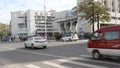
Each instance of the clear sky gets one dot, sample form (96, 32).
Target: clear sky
(7, 6)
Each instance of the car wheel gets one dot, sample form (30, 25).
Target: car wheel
(70, 40)
(25, 45)
(44, 47)
(62, 40)
(32, 46)
(96, 55)
(75, 40)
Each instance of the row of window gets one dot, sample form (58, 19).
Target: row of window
(44, 29)
(42, 14)
(116, 18)
(110, 35)
(38, 23)
(22, 34)
(44, 26)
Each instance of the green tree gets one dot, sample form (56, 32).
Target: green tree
(93, 11)
(4, 30)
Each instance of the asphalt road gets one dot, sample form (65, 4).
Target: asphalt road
(57, 55)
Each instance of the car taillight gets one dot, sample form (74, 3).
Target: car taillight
(36, 41)
(45, 40)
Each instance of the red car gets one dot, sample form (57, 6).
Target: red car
(105, 42)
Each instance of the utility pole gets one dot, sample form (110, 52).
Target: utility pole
(45, 19)
(93, 15)
(115, 12)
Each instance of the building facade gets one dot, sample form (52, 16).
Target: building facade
(114, 6)
(31, 22)
(67, 21)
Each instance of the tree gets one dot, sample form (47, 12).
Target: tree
(4, 30)
(93, 12)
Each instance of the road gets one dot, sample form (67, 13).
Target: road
(57, 55)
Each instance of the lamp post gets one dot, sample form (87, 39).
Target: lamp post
(93, 15)
(115, 11)
(45, 19)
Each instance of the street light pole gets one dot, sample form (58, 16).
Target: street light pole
(45, 19)
(93, 15)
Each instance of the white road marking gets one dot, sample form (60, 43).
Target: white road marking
(32, 66)
(98, 61)
(56, 55)
(82, 64)
(34, 52)
(87, 56)
(55, 65)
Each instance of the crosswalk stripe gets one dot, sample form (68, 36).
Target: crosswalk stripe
(92, 60)
(82, 64)
(55, 65)
(32, 66)
(87, 56)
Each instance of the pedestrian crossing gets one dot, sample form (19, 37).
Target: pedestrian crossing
(70, 63)
(84, 61)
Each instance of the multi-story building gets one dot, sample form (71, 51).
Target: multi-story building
(114, 6)
(68, 22)
(31, 22)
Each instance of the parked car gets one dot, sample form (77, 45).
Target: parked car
(70, 37)
(36, 42)
(5, 38)
(105, 42)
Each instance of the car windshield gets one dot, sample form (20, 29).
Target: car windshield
(39, 38)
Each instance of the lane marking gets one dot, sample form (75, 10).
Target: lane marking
(82, 64)
(92, 60)
(55, 65)
(87, 56)
(58, 56)
(32, 66)
(34, 52)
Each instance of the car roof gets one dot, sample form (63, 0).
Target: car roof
(109, 28)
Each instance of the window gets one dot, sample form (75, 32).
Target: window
(113, 35)
(96, 36)
(30, 39)
(39, 38)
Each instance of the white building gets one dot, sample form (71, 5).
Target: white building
(68, 22)
(31, 22)
(114, 6)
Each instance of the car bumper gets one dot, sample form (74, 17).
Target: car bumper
(40, 44)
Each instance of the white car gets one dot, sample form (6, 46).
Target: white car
(70, 37)
(36, 42)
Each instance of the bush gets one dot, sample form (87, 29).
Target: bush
(2, 34)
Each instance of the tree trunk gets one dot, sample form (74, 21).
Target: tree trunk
(93, 27)
(93, 17)
(98, 23)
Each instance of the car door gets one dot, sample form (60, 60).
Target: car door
(95, 40)
(111, 43)
(66, 37)
(29, 41)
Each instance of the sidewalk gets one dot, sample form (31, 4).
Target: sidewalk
(82, 40)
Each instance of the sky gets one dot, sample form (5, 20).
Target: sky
(8, 6)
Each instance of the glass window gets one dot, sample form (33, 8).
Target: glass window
(39, 38)
(30, 39)
(113, 35)
(96, 36)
